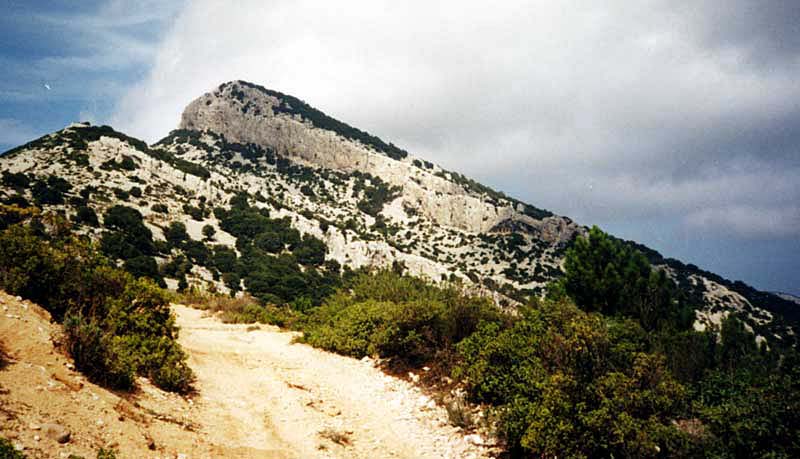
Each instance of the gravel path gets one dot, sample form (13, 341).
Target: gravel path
(260, 393)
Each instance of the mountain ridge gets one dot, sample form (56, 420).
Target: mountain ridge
(370, 202)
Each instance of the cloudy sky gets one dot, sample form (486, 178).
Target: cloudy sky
(675, 123)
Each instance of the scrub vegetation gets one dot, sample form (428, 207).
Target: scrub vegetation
(607, 365)
(116, 326)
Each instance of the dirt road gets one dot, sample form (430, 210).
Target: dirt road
(264, 396)
(258, 396)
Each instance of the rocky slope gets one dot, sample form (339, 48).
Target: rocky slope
(370, 202)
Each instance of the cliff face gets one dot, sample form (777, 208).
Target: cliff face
(246, 113)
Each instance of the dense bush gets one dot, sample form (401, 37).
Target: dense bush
(144, 266)
(272, 254)
(129, 223)
(561, 384)
(376, 195)
(11, 214)
(15, 179)
(121, 194)
(310, 251)
(197, 213)
(116, 245)
(242, 309)
(613, 381)
(125, 164)
(86, 215)
(224, 259)
(603, 274)
(176, 234)
(209, 232)
(116, 326)
(160, 208)
(280, 280)
(197, 252)
(390, 315)
(131, 241)
(50, 190)
(103, 453)
(741, 399)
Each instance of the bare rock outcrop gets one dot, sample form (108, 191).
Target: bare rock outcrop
(246, 113)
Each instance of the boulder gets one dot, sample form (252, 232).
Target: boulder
(56, 432)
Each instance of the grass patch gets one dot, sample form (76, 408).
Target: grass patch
(243, 309)
(459, 413)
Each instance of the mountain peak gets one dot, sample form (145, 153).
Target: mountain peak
(249, 113)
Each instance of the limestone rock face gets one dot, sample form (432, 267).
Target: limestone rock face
(245, 113)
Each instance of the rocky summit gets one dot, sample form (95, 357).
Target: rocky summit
(342, 198)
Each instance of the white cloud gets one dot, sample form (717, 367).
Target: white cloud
(589, 109)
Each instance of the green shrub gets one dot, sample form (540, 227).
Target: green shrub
(96, 356)
(176, 234)
(310, 251)
(243, 309)
(12, 213)
(385, 329)
(751, 415)
(272, 279)
(7, 450)
(390, 315)
(376, 195)
(559, 390)
(121, 194)
(224, 258)
(129, 222)
(116, 245)
(135, 335)
(603, 274)
(103, 453)
(36, 270)
(269, 241)
(116, 326)
(15, 179)
(144, 266)
(197, 252)
(232, 281)
(126, 164)
(50, 191)
(87, 216)
(187, 167)
(160, 208)
(209, 232)
(177, 267)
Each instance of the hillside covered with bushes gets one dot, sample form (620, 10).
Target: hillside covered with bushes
(608, 365)
(116, 326)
